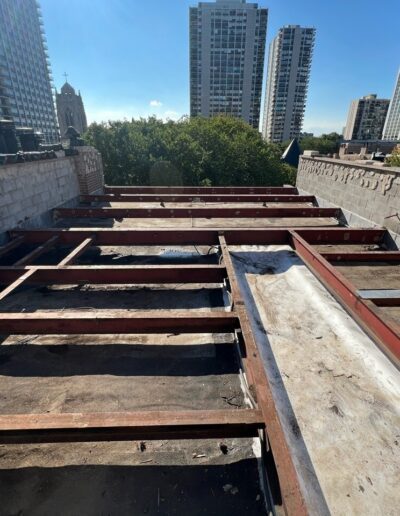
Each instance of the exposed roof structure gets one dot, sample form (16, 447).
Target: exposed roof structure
(123, 266)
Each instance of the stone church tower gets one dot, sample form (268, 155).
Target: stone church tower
(70, 110)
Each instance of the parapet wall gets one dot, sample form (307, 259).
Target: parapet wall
(372, 192)
(29, 191)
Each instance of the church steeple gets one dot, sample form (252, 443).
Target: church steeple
(70, 109)
(67, 89)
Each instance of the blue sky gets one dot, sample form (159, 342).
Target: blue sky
(130, 58)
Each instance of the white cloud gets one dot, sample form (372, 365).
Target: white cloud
(155, 103)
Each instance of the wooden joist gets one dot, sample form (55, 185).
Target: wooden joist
(38, 251)
(14, 243)
(75, 253)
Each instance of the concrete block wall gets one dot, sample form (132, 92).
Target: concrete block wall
(371, 192)
(30, 191)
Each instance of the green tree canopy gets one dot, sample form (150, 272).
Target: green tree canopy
(394, 159)
(221, 151)
(325, 144)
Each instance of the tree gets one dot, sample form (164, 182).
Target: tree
(325, 144)
(221, 151)
(394, 159)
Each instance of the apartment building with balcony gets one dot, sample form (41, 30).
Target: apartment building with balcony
(26, 95)
(366, 118)
(289, 67)
(391, 130)
(227, 50)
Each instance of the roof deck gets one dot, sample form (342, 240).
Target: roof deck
(169, 337)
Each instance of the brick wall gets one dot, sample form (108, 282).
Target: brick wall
(369, 191)
(30, 191)
(89, 167)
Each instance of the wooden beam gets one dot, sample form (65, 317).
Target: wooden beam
(129, 426)
(51, 242)
(75, 253)
(17, 283)
(11, 245)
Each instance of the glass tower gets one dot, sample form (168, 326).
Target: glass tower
(391, 130)
(227, 48)
(289, 67)
(25, 79)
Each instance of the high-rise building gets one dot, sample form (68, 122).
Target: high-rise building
(289, 65)
(70, 110)
(391, 130)
(366, 118)
(25, 89)
(227, 48)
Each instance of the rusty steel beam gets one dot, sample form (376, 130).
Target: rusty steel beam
(30, 257)
(16, 242)
(203, 212)
(292, 496)
(129, 426)
(388, 301)
(202, 236)
(164, 236)
(117, 321)
(132, 198)
(381, 297)
(117, 275)
(394, 301)
(75, 253)
(203, 190)
(384, 331)
(363, 256)
(321, 236)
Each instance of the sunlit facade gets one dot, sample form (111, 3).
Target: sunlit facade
(25, 79)
(227, 48)
(391, 130)
(289, 68)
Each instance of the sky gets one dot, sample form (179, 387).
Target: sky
(130, 58)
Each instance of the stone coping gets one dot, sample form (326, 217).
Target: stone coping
(353, 164)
